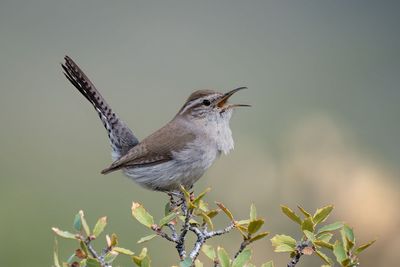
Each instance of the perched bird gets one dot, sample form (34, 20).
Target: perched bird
(178, 153)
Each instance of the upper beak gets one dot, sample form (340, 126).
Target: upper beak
(221, 103)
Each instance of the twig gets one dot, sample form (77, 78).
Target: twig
(100, 258)
(201, 239)
(187, 213)
(220, 232)
(203, 235)
(298, 253)
(243, 245)
(200, 231)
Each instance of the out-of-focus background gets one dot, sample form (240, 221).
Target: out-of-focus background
(324, 127)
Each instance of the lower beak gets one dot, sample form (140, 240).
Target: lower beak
(227, 95)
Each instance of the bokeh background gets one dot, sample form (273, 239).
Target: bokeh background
(324, 127)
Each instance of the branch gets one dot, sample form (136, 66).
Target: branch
(298, 253)
(243, 245)
(100, 258)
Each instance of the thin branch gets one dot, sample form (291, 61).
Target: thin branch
(171, 226)
(163, 234)
(298, 253)
(220, 232)
(95, 255)
(243, 245)
(201, 239)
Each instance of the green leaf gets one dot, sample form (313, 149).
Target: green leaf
(90, 262)
(258, 237)
(346, 262)
(310, 236)
(203, 206)
(77, 222)
(113, 240)
(225, 210)
(110, 256)
(284, 248)
(123, 251)
(186, 263)
(167, 219)
(142, 215)
(326, 237)
(140, 259)
(99, 227)
(84, 247)
(253, 212)
(84, 223)
(209, 252)
(55, 254)
(167, 208)
(325, 258)
(243, 222)
(212, 213)
(71, 258)
(200, 196)
(363, 247)
(322, 214)
(330, 227)
(187, 197)
(339, 251)
(223, 257)
(291, 214)
(207, 220)
(347, 237)
(268, 264)
(306, 213)
(146, 238)
(323, 244)
(283, 243)
(242, 258)
(64, 234)
(146, 262)
(308, 224)
(255, 225)
(198, 263)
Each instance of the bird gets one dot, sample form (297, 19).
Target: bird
(177, 154)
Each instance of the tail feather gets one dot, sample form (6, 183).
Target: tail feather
(121, 137)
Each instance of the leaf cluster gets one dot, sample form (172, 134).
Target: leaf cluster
(317, 237)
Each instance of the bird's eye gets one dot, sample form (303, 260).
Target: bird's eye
(206, 102)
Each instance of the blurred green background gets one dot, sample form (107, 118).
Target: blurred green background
(324, 127)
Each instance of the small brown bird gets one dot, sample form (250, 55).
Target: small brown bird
(177, 154)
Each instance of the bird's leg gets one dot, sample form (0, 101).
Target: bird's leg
(175, 203)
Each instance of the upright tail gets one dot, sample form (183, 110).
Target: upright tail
(121, 137)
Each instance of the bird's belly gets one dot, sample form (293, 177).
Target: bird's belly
(186, 167)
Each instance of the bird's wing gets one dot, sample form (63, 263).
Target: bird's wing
(154, 149)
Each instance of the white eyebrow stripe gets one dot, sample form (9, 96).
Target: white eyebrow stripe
(192, 103)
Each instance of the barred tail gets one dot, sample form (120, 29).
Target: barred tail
(121, 137)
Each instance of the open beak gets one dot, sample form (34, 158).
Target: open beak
(224, 99)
